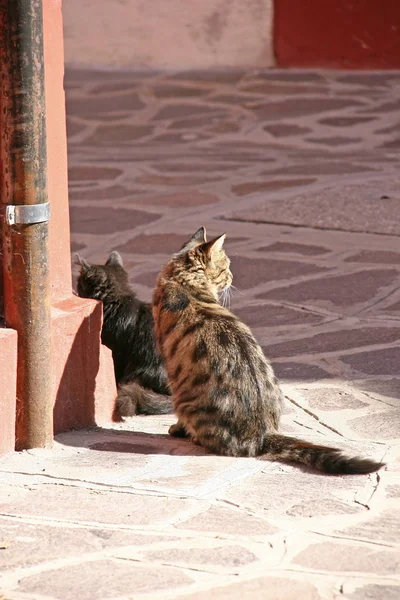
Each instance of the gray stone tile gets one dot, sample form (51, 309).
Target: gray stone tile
(230, 521)
(341, 291)
(108, 220)
(376, 592)
(291, 371)
(269, 588)
(329, 556)
(377, 362)
(335, 341)
(250, 272)
(103, 579)
(385, 528)
(345, 207)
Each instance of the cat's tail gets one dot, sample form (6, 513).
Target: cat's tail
(322, 458)
(133, 399)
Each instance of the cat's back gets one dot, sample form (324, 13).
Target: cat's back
(194, 326)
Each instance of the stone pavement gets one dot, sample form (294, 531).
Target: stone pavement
(301, 169)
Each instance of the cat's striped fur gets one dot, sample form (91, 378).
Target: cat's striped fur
(225, 393)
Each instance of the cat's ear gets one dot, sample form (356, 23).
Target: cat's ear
(199, 237)
(115, 259)
(79, 260)
(212, 248)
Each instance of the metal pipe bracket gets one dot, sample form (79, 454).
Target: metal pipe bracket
(26, 214)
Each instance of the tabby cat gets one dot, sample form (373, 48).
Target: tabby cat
(128, 330)
(224, 391)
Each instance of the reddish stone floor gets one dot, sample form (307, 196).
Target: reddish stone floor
(301, 170)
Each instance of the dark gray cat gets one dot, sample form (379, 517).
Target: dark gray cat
(128, 330)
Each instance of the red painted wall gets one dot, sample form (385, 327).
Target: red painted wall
(347, 34)
(82, 369)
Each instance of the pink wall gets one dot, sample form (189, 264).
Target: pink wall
(60, 261)
(83, 386)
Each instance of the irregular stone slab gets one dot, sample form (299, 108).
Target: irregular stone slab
(283, 130)
(316, 167)
(181, 137)
(334, 141)
(385, 107)
(355, 207)
(275, 493)
(93, 73)
(291, 371)
(378, 426)
(250, 272)
(113, 86)
(74, 504)
(377, 362)
(265, 315)
(156, 243)
(118, 134)
(375, 257)
(393, 491)
(108, 220)
(275, 88)
(175, 180)
(229, 521)
(103, 579)
(314, 508)
(303, 249)
(74, 127)
(345, 121)
(100, 104)
(392, 308)
(329, 556)
(368, 79)
(337, 290)
(147, 279)
(196, 167)
(235, 98)
(168, 90)
(90, 172)
(289, 75)
(253, 187)
(374, 591)
(33, 543)
(381, 387)
(267, 588)
(300, 107)
(385, 528)
(113, 192)
(224, 556)
(329, 398)
(334, 341)
(76, 246)
(174, 111)
(182, 199)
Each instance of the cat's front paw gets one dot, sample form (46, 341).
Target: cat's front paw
(178, 430)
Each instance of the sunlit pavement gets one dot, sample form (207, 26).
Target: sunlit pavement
(301, 170)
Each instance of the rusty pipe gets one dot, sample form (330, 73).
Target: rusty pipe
(24, 194)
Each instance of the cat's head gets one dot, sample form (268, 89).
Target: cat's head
(99, 281)
(205, 262)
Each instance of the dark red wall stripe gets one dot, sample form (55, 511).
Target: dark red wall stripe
(347, 34)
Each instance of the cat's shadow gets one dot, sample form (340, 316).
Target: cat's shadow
(102, 439)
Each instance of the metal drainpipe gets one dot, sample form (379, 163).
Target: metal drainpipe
(25, 214)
